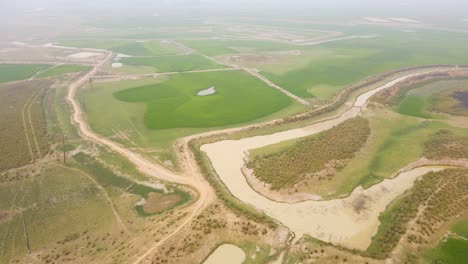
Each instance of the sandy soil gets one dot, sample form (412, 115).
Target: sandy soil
(226, 254)
(209, 91)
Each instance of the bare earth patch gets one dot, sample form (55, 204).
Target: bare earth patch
(157, 202)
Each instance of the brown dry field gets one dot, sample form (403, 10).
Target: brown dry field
(157, 202)
(23, 128)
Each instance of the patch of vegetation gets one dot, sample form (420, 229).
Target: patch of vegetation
(414, 106)
(62, 69)
(439, 195)
(239, 98)
(107, 178)
(175, 63)
(16, 72)
(316, 251)
(453, 247)
(451, 102)
(446, 144)
(293, 164)
(23, 127)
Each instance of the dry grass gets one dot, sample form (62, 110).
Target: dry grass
(446, 144)
(23, 128)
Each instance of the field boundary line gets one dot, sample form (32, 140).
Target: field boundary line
(33, 132)
(25, 125)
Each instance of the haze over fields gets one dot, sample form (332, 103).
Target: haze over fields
(233, 132)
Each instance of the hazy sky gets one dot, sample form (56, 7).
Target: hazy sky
(301, 7)
(229, 3)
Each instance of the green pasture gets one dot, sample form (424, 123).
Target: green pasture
(176, 63)
(156, 112)
(323, 70)
(453, 250)
(16, 72)
(62, 69)
(239, 98)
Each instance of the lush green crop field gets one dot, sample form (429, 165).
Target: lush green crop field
(176, 63)
(15, 72)
(62, 69)
(454, 250)
(239, 98)
(355, 59)
(223, 47)
(323, 70)
(128, 118)
(133, 48)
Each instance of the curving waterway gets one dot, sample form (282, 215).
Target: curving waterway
(334, 221)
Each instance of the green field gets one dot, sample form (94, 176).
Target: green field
(176, 63)
(16, 72)
(223, 47)
(128, 47)
(323, 70)
(454, 249)
(396, 140)
(62, 69)
(137, 121)
(239, 98)
(427, 99)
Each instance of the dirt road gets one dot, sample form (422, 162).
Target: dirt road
(192, 178)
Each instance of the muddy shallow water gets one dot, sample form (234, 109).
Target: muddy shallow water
(462, 98)
(337, 221)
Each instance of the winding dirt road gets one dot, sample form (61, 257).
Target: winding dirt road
(192, 179)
